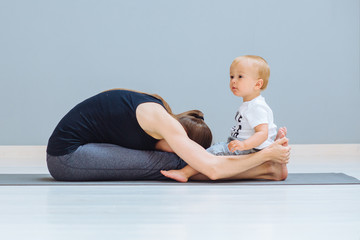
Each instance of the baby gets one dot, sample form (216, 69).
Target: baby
(254, 127)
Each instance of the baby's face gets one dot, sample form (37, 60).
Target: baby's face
(243, 78)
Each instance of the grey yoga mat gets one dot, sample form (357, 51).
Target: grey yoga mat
(293, 179)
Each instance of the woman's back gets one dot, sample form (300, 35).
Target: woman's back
(108, 117)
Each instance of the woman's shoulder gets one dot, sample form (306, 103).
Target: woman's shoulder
(151, 117)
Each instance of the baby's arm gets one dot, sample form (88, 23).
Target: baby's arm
(181, 175)
(260, 136)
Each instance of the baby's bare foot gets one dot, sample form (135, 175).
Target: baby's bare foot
(175, 174)
(281, 134)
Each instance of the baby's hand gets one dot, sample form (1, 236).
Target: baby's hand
(236, 145)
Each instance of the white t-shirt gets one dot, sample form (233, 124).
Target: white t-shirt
(250, 115)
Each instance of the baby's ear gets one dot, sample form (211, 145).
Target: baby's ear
(259, 83)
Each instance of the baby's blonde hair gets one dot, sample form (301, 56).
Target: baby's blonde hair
(263, 67)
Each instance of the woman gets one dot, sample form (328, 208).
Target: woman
(99, 139)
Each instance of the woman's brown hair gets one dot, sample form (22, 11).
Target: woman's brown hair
(193, 123)
(195, 126)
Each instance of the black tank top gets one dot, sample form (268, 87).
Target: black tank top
(109, 117)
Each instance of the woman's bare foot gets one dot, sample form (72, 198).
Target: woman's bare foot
(279, 155)
(175, 174)
(283, 172)
(281, 169)
(276, 171)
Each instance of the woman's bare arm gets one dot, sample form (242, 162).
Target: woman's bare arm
(154, 119)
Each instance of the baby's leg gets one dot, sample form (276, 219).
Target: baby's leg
(181, 175)
(220, 149)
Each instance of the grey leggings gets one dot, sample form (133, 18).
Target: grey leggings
(101, 162)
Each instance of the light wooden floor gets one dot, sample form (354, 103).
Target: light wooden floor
(184, 212)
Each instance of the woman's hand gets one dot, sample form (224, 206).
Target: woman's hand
(279, 151)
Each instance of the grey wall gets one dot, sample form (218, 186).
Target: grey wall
(54, 54)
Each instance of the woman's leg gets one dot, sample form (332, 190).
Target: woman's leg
(99, 162)
(266, 171)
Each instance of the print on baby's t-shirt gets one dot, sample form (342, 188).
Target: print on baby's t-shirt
(237, 128)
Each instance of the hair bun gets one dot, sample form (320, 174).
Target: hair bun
(197, 114)
(199, 117)
(196, 129)
(192, 113)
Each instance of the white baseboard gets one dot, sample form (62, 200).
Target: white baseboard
(304, 158)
